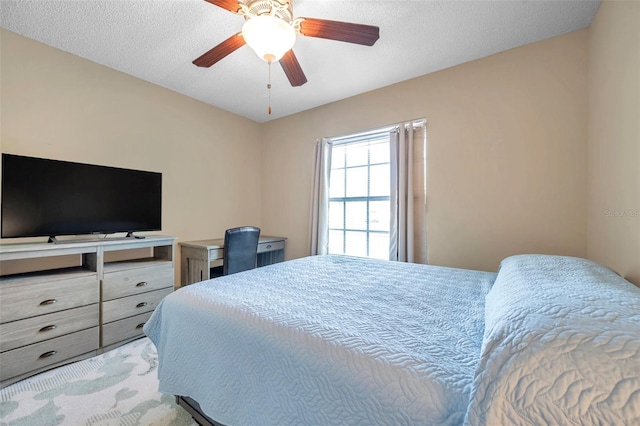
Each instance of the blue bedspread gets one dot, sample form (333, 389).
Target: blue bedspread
(561, 346)
(325, 340)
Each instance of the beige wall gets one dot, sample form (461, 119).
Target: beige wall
(507, 140)
(507, 154)
(614, 138)
(56, 105)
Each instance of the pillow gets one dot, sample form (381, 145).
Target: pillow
(561, 345)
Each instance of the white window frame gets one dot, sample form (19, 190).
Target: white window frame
(373, 135)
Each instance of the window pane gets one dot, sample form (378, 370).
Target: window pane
(336, 242)
(357, 182)
(356, 243)
(379, 246)
(357, 154)
(379, 152)
(337, 156)
(336, 214)
(336, 183)
(379, 215)
(356, 215)
(379, 180)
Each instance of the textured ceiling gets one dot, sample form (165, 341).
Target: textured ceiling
(156, 40)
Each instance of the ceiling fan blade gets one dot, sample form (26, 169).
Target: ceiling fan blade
(225, 48)
(292, 69)
(230, 5)
(341, 31)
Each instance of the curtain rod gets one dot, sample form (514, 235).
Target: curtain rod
(381, 131)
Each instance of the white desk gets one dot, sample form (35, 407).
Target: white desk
(198, 257)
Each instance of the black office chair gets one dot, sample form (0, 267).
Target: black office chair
(240, 250)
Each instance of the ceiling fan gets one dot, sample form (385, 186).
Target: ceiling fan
(270, 30)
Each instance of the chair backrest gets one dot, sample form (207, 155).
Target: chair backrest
(240, 249)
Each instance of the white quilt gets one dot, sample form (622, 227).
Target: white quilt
(561, 346)
(325, 340)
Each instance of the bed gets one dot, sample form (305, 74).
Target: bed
(345, 340)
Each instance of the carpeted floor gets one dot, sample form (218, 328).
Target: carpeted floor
(116, 388)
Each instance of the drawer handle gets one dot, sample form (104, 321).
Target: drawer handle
(140, 325)
(268, 246)
(141, 305)
(48, 354)
(47, 328)
(48, 302)
(141, 284)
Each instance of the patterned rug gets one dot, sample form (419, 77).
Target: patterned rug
(115, 388)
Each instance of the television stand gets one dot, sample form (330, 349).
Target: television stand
(65, 302)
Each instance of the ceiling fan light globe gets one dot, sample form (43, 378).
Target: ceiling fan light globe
(269, 37)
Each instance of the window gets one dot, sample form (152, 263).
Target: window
(359, 195)
(369, 194)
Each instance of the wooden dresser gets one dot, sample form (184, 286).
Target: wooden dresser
(55, 315)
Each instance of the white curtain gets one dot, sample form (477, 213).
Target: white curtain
(408, 230)
(320, 200)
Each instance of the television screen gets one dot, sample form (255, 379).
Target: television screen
(42, 197)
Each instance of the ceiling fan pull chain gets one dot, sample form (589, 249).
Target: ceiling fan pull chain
(269, 87)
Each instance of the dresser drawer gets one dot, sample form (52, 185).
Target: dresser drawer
(40, 355)
(31, 330)
(26, 298)
(136, 281)
(124, 329)
(117, 309)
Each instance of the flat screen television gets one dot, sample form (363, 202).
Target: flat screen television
(42, 197)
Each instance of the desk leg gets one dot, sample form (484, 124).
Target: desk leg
(184, 270)
(194, 270)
